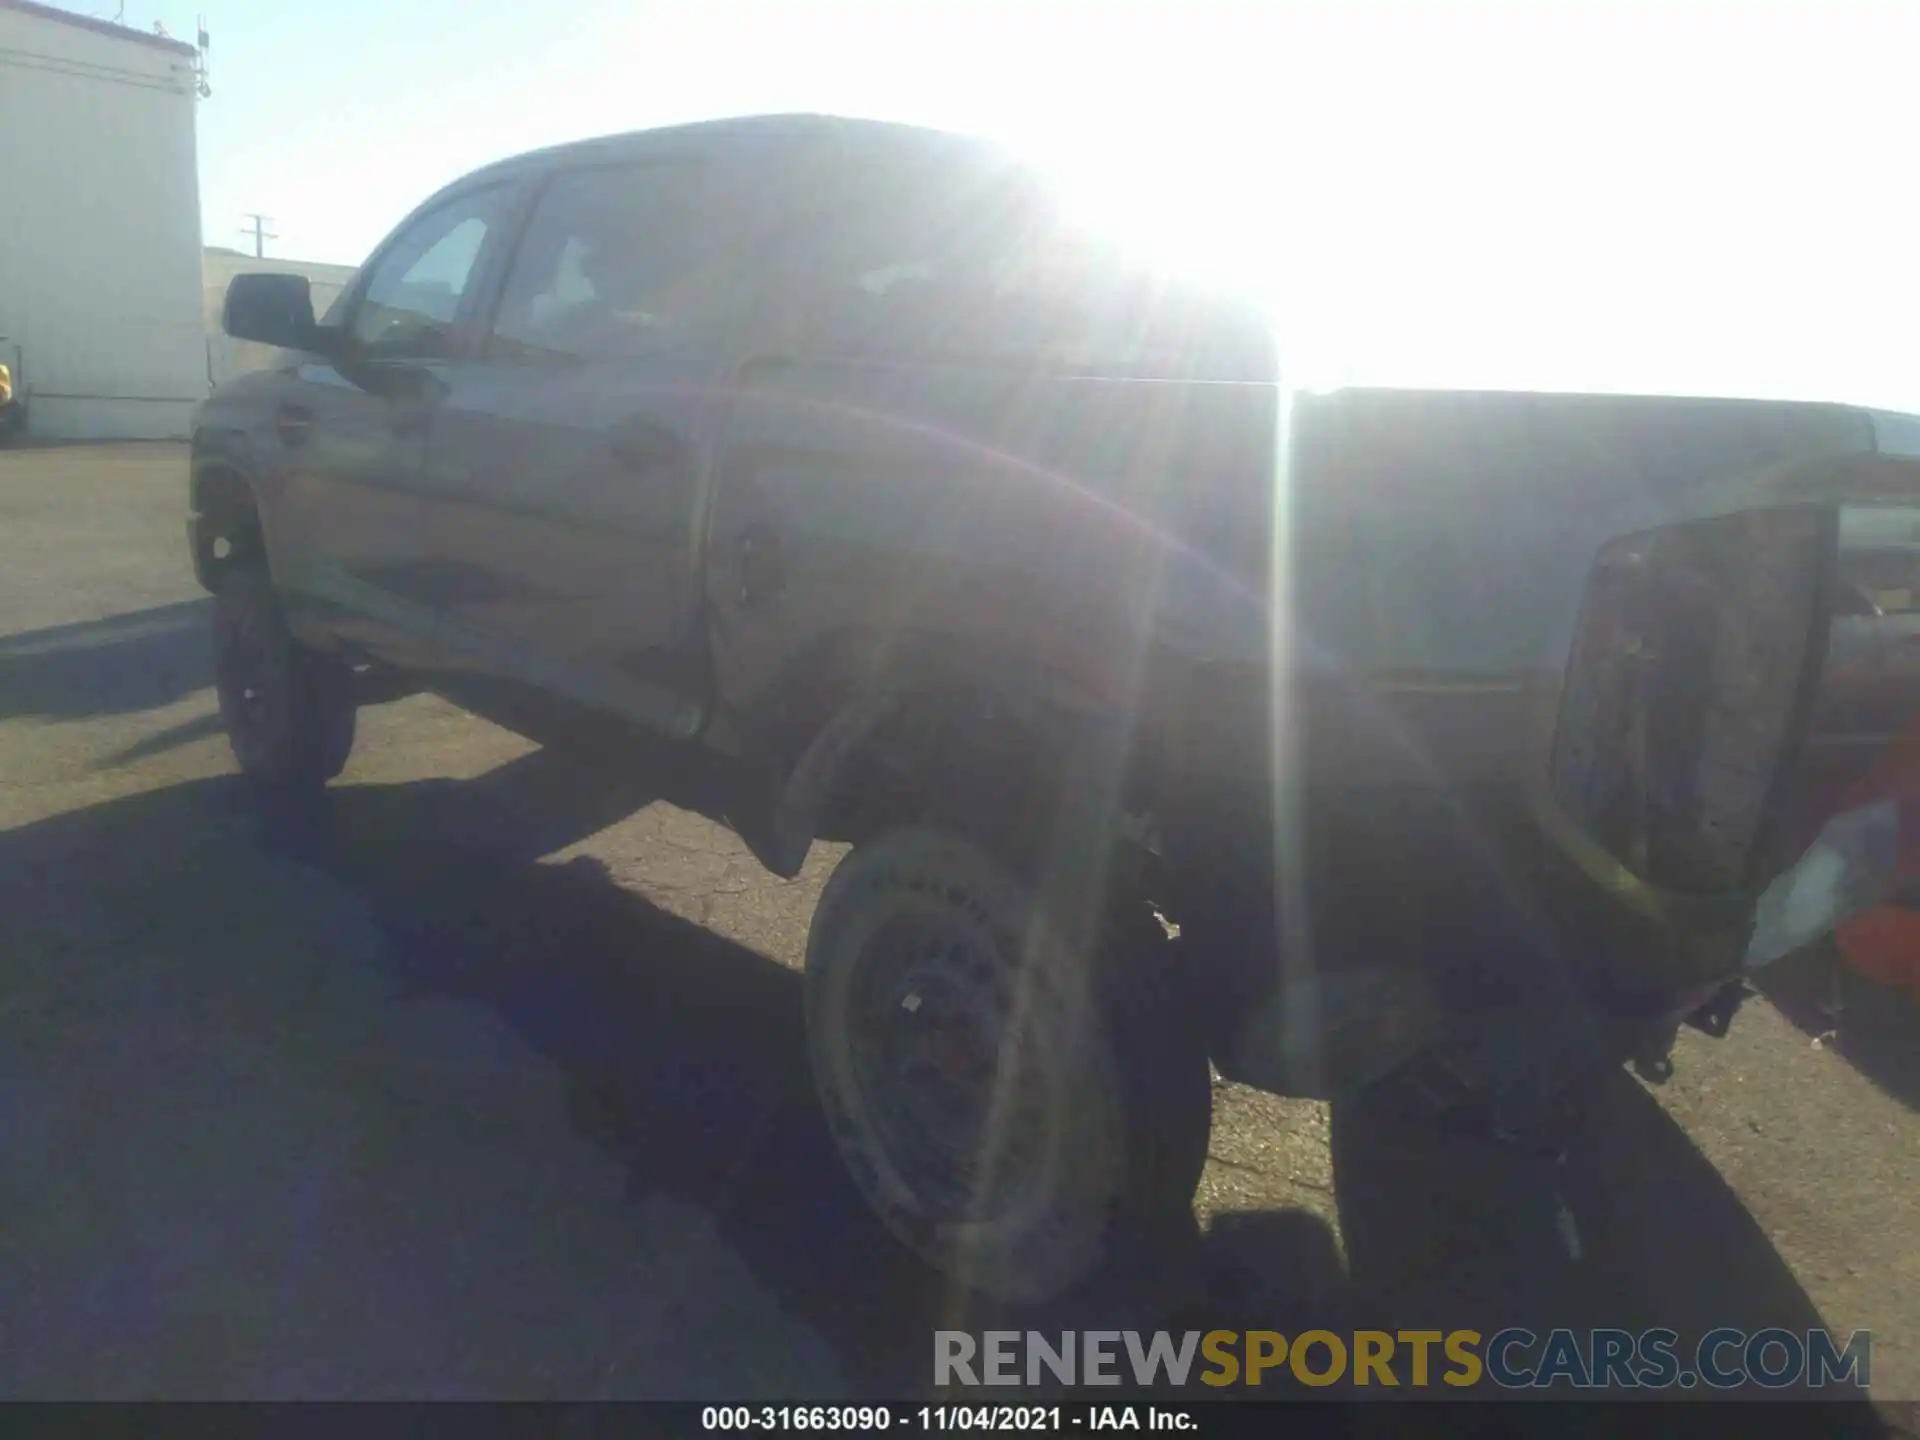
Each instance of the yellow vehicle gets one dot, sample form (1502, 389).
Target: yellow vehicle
(12, 404)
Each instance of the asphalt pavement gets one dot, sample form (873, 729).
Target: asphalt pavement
(493, 1085)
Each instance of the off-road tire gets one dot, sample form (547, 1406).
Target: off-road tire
(288, 710)
(1101, 1099)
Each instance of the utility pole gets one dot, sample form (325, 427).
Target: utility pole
(260, 234)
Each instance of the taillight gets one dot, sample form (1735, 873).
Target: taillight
(1682, 695)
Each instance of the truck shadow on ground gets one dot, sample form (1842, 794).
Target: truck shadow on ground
(1873, 1028)
(685, 1053)
(683, 1056)
(115, 666)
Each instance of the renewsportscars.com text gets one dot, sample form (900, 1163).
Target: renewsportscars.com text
(1510, 1359)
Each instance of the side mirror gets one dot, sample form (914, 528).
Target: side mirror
(271, 310)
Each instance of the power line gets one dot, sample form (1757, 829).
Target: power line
(80, 70)
(260, 234)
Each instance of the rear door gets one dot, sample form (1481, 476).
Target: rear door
(566, 478)
(971, 431)
(353, 429)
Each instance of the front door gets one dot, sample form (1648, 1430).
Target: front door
(354, 428)
(566, 470)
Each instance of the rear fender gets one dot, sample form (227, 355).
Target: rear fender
(797, 809)
(1023, 698)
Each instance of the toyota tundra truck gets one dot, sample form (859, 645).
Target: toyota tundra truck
(1176, 720)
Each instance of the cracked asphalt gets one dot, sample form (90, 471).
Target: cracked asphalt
(496, 1088)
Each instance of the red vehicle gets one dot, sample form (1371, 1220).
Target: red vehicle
(1884, 944)
(1863, 754)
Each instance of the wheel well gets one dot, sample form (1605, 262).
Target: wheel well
(1062, 797)
(864, 732)
(228, 532)
(1033, 781)
(1013, 764)
(953, 753)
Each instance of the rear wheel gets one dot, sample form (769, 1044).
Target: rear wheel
(1016, 1107)
(289, 710)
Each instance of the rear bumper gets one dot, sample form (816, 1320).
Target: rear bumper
(1428, 920)
(1439, 930)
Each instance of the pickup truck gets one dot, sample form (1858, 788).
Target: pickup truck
(1177, 722)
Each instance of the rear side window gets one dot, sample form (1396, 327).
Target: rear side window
(975, 261)
(623, 262)
(899, 261)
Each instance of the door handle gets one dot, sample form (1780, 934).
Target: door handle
(293, 423)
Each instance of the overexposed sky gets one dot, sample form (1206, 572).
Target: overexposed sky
(1681, 197)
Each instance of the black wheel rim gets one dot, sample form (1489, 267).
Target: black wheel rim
(250, 682)
(942, 1061)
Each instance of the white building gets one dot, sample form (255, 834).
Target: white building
(227, 356)
(100, 282)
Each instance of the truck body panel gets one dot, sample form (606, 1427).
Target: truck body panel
(1490, 692)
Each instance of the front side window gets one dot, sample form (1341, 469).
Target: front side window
(620, 263)
(413, 293)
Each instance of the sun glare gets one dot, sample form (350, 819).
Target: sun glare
(1214, 219)
(1192, 220)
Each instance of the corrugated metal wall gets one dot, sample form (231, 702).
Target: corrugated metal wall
(100, 284)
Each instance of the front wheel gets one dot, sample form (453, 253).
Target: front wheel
(1014, 1108)
(289, 710)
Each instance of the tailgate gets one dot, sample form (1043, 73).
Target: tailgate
(1705, 714)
